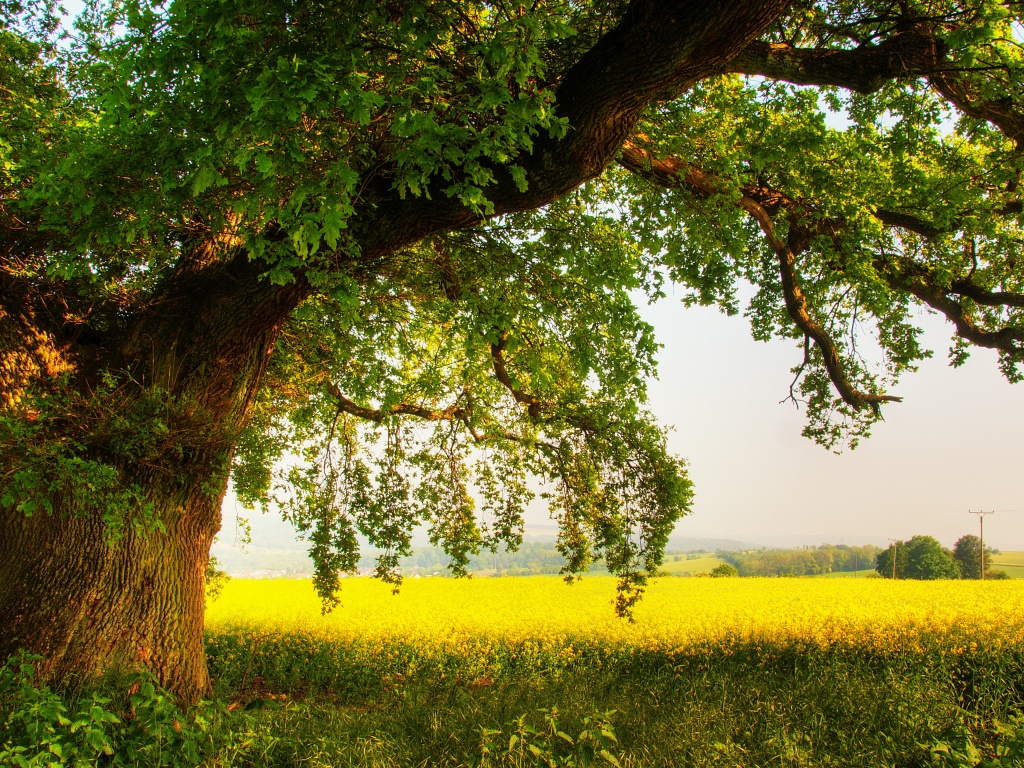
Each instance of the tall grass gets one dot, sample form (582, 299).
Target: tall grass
(743, 673)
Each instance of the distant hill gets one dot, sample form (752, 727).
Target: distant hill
(276, 551)
(677, 543)
(813, 540)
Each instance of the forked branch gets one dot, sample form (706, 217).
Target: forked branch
(921, 281)
(378, 415)
(454, 412)
(796, 306)
(916, 51)
(531, 402)
(675, 173)
(901, 274)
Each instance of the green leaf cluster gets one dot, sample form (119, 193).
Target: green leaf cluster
(921, 557)
(550, 746)
(559, 310)
(42, 727)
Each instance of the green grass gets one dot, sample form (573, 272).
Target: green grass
(745, 703)
(1011, 562)
(693, 567)
(744, 708)
(290, 700)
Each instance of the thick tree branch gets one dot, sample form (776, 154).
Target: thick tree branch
(985, 297)
(669, 172)
(378, 415)
(1002, 113)
(908, 222)
(914, 52)
(28, 352)
(963, 286)
(531, 402)
(451, 413)
(796, 306)
(674, 173)
(864, 69)
(659, 45)
(919, 280)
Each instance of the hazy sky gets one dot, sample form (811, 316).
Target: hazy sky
(954, 444)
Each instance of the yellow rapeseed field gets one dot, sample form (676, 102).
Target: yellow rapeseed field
(674, 615)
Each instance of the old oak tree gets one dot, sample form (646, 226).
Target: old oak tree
(400, 244)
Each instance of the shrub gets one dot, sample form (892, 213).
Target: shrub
(550, 746)
(43, 728)
(724, 570)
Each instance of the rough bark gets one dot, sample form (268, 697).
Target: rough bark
(70, 593)
(86, 605)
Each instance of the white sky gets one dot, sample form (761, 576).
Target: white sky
(954, 444)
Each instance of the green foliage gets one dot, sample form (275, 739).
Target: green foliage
(215, 579)
(904, 149)
(264, 117)
(724, 571)
(749, 700)
(87, 450)
(967, 553)
(608, 477)
(927, 559)
(922, 557)
(44, 728)
(1004, 747)
(550, 746)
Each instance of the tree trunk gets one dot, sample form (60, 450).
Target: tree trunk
(90, 597)
(88, 605)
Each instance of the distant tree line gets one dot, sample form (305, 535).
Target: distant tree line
(923, 557)
(807, 561)
(533, 558)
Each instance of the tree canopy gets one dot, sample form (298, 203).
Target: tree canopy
(806, 561)
(402, 244)
(724, 571)
(921, 557)
(967, 553)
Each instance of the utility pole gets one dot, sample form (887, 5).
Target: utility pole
(895, 551)
(981, 524)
